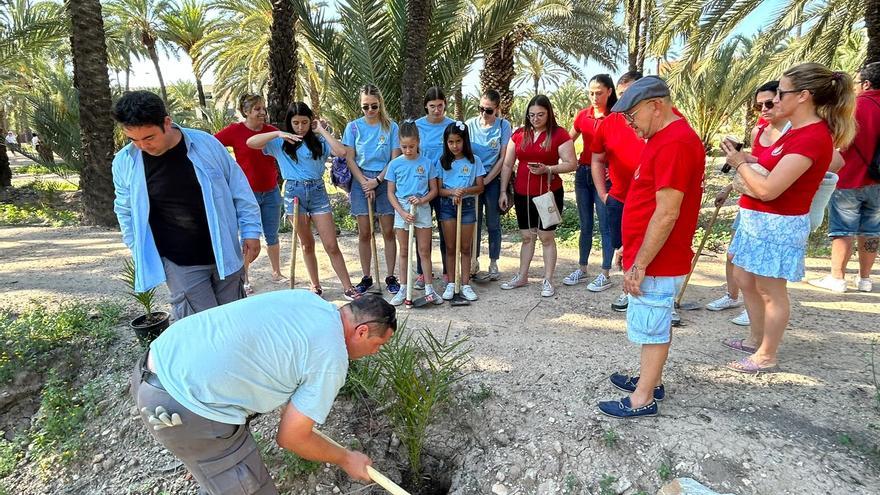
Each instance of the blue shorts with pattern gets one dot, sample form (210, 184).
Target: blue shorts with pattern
(312, 194)
(358, 198)
(771, 245)
(649, 316)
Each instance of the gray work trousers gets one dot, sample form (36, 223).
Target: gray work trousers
(223, 458)
(199, 287)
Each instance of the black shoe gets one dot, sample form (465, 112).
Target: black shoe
(392, 284)
(365, 284)
(628, 384)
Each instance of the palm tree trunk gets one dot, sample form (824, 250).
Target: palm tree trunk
(872, 23)
(536, 81)
(5, 170)
(633, 16)
(91, 80)
(282, 60)
(154, 56)
(412, 84)
(203, 102)
(459, 103)
(498, 68)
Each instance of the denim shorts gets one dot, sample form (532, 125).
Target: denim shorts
(424, 219)
(449, 210)
(771, 245)
(855, 212)
(312, 194)
(615, 221)
(649, 316)
(270, 214)
(359, 201)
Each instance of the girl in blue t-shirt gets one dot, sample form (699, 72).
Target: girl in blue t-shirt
(461, 180)
(302, 150)
(412, 181)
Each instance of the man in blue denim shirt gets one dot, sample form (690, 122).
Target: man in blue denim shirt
(182, 203)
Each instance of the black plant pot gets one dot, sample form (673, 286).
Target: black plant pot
(147, 331)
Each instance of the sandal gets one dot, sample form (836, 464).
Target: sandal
(316, 289)
(738, 345)
(747, 366)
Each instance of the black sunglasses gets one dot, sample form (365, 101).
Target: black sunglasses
(760, 105)
(487, 111)
(374, 106)
(780, 93)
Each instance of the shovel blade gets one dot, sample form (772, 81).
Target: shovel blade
(419, 302)
(690, 306)
(458, 300)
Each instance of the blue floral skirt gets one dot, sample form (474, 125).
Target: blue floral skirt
(771, 245)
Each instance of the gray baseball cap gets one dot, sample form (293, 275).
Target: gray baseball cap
(643, 89)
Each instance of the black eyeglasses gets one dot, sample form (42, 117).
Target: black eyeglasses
(392, 322)
(487, 111)
(760, 105)
(780, 93)
(374, 106)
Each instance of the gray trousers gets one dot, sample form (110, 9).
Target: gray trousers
(223, 458)
(199, 287)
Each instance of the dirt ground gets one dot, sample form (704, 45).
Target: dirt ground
(526, 420)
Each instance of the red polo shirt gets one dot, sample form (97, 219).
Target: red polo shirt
(527, 183)
(260, 169)
(586, 123)
(622, 148)
(861, 151)
(673, 157)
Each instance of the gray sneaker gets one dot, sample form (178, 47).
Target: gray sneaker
(620, 304)
(599, 284)
(575, 277)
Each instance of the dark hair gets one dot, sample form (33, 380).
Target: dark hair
(771, 86)
(529, 131)
(409, 129)
(631, 76)
(605, 80)
(311, 140)
(140, 108)
(447, 158)
(370, 307)
(433, 93)
(871, 73)
(493, 96)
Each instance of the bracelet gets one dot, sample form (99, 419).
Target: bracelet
(738, 165)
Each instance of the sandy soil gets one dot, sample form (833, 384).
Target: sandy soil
(811, 429)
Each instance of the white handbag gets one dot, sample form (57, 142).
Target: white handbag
(546, 206)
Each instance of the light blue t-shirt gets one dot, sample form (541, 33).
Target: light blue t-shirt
(307, 168)
(462, 173)
(431, 137)
(410, 177)
(254, 355)
(489, 142)
(372, 145)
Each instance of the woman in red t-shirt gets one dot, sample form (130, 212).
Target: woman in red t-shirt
(261, 172)
(542, 150)
(770, 243)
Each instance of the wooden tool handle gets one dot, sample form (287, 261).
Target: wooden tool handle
(380, 479)
(293, 238)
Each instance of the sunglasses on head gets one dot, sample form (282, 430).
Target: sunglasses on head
(760, 105)
(373, 106)
(487, 111)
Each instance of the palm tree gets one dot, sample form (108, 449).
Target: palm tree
(567, 101)
(872, 24)
(143, 20)
(282, 60)
(185, 25)
(93, 85)
(534, 68)
(412, 84)
(560, 29)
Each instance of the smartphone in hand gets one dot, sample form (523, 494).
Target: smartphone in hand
(736, 143)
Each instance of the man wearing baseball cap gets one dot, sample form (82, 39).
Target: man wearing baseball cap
(659, 220)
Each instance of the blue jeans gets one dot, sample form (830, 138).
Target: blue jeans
(587, 199)
(489, 204)
(270, 214)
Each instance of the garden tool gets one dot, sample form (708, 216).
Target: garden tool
(389, 486)
(293, 237)
(411, 266)
(160, 419)
(690, 306)
(377, 287)
(457, 298)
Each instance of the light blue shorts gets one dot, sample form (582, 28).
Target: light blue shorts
(649, 316)
(424, 219)
(771, 245)
(312, 194)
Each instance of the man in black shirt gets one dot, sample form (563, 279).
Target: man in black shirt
(182, 203)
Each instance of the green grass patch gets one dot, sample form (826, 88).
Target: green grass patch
(32, 169)
(58, 436)
(31, 337)
(11, 214)
(291, 465)
(49, 186)
(10, 453)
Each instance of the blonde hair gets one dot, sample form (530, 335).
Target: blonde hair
(247, 101)
(833, 98)
(372, 90)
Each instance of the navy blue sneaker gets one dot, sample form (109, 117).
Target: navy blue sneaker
(628, 384)
(392, 284)
(622, 409)
(365, 284)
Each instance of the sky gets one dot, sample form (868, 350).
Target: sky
(180, 68)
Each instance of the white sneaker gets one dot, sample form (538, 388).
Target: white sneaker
(468, 293)
(724, 302)
(621, 303)
(830, 283)
(863, 284)
(398, 298)
(575, 277)
(432, 296)
(547, 289)
(515, 283)
(449, 292)
(742, 319)
(676, 319)
(600, 283)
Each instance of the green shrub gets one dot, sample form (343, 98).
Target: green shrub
(10, 453)
(32, 169)
(57, 435)
(11, 214)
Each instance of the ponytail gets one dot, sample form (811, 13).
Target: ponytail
(833, 98)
